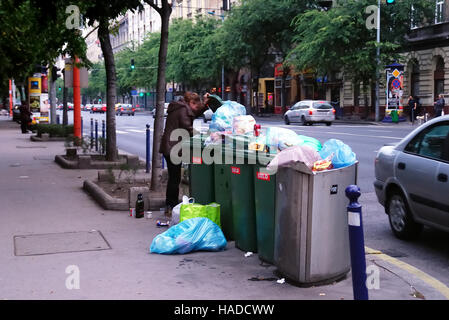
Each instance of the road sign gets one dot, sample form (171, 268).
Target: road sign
(396, 83)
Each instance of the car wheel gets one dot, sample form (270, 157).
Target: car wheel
(401, 220)
(204, 119)
(304, 121)
(328, 124)
(286, 120)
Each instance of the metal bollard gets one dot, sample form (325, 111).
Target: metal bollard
(357, 244)
(148, 153)
(163, 162)
(103, 134)
(96, 135)
(81, 127)
(58, 121)
(91, 133)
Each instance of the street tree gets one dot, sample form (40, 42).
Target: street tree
(339, 39)
(164, 8)
(102, 13)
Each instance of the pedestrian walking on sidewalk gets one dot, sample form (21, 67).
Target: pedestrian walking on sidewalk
(181, 115)
(25, 117)
(413, 108)
(439, 105)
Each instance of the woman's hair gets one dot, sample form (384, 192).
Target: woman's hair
(191, 96)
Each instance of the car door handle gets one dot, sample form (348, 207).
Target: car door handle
(442, 177)
(401, 165)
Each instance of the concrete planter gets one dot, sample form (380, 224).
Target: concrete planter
(88, 161)
(108, 202)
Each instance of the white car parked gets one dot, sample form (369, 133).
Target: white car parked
(308, 112)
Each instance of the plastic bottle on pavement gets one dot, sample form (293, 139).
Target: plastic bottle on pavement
(140, 206)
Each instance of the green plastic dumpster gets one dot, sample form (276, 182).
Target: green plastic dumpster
(265, 207)
(242, 190)
(201, 175)
(222, 188)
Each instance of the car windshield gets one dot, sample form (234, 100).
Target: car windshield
(322, 105)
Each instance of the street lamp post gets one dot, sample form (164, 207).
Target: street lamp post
(377, 62)
(222, 66)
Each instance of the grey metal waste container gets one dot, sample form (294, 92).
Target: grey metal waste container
(311, 228)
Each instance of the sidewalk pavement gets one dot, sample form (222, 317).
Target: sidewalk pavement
(38, 197)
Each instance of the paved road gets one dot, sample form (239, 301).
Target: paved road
(430, 253)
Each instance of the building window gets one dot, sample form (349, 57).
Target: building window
(438, 77)
(413, 22)
(439, 11)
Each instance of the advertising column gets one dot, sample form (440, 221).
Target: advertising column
(34, 90)
(44, 101)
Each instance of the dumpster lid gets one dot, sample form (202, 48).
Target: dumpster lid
(300, 166)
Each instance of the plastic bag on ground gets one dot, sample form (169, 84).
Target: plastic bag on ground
(195, 210)
(343, 155)
(177, 210)
(243, 124)
(303, 153)
(222, 119)
(197, 234)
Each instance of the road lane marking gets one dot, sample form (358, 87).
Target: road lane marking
(137, 131)
(436, 284)
(121, 132)
(363, 135)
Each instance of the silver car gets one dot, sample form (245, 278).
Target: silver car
(412, 179)
(309, 112)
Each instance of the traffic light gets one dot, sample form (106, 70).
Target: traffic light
(99, 100)
(132, 64)
(54, 73)
(141, 94)
(391, 1)
(60, 89)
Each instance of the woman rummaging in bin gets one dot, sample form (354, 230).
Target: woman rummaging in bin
(181, 115)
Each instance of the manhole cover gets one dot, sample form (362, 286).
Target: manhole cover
(51, 243)
(31, 147)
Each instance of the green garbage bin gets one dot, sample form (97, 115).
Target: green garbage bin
(201, 175)
(265, 207)
(222, 188)
(394, 116)
(243, 205)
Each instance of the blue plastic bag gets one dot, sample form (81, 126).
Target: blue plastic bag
(342, 153)
(222, 119)
(196, 234)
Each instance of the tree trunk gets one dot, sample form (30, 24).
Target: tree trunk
(111, 90)
(234, 80)
(365, 99)
(156, 167)
(65, 120)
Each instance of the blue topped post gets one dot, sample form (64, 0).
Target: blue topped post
(96, 135)
(148, 153)
(103, 133)
(357, 244)
(91, 133)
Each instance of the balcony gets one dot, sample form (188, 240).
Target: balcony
(429, 35)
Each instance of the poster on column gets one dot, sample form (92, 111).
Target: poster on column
(44, 108)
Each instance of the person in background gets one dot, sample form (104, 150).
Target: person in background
(413, 108)
(25, 117)
(181, 115)
(439, 105)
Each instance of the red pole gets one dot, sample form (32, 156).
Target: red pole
(76, 100)
(10, 98)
